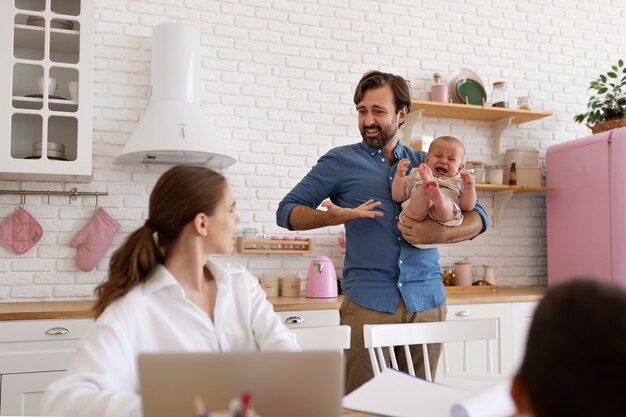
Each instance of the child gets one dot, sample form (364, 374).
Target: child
(439, 187)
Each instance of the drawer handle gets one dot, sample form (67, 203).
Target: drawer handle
(463, 313)
(294, 320)
(55, 331)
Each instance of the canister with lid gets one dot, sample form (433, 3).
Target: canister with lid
(439, 89)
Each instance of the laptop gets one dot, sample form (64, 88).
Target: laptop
(282, 384)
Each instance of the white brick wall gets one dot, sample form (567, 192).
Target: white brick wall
(278, 79)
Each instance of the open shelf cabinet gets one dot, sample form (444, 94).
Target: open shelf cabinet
(274, 246)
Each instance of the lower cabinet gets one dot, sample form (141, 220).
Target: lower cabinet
(514, 319)
(34, 353)
(522, 315)
(502, 348)
(21, 393)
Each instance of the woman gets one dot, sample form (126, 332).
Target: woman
(162, 294)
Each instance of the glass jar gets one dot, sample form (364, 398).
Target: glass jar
(495, 174)
(523, 103)
(249, 233)
(500, 95)
(477, 168)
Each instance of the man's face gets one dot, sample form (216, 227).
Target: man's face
(378, 121)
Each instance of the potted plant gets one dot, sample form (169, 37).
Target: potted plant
(606, 108)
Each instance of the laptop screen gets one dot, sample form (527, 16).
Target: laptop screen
(282, 384)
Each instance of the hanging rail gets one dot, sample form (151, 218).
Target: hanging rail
(73, 193)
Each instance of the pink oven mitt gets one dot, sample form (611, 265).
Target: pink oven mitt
(94, 239)
(20, 231)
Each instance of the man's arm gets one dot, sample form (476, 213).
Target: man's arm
(428, 231)
(306, 218)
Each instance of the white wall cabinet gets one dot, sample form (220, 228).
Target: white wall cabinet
(33, 353)
(51, 39)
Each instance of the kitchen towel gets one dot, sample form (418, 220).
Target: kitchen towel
(20, 231)
(94, 239)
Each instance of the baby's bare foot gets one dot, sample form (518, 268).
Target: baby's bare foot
(425, 173)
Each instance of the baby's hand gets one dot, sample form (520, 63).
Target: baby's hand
(467, 178)
(403, 165)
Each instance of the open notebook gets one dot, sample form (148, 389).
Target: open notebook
(282, 384)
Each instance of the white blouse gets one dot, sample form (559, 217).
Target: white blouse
(157, 316)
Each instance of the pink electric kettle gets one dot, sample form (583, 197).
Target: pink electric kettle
(321, 279)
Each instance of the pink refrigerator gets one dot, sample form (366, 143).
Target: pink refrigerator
(586, 213)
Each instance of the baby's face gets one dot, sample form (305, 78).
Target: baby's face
(445, 159)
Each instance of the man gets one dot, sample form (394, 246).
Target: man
(385, 278)
(575, 360)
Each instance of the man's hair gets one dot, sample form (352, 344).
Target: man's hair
(376, 79)
(575, 360)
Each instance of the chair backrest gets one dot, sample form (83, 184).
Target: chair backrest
(380, 336)
(323, 338)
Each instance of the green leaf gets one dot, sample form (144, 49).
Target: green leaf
(611, 74)
(620, 63)
(603, 90)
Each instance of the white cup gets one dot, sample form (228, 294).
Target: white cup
(52, 85)
(72, 86)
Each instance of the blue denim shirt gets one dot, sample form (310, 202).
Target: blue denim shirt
(379, 266)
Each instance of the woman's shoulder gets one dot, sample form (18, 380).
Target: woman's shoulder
(228, 268)
(126, 307)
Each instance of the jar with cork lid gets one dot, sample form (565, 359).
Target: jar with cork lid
(439, 89)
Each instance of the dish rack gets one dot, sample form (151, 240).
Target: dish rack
(281, 246)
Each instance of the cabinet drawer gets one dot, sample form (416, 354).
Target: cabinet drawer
(309, 318)
(39, 345)
(17, 331)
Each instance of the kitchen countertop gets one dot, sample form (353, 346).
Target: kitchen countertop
(456, 295)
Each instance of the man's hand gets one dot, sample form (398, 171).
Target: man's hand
(346, 214)
(428, 231)
(307, 218)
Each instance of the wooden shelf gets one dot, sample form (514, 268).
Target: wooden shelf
(471, 112)
(274, 246)
(502, 118)
(502, 187)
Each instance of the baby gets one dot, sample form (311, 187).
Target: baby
(439, 187)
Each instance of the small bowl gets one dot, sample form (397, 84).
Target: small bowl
(53, 154)
(54, 23)
(51, 146)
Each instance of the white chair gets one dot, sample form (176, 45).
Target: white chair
(323, 337)
(380, 336)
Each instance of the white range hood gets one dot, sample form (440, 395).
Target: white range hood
(173, 129)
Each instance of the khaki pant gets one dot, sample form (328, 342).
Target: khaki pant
(357, 360)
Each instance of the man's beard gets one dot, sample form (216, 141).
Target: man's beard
(385, 135)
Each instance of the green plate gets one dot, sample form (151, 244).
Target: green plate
(471, 91)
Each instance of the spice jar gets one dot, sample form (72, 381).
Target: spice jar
(523, 103)
(249, 233)
(500, 95)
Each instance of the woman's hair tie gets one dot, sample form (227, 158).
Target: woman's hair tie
(151, 225)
